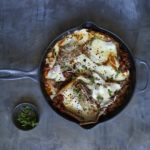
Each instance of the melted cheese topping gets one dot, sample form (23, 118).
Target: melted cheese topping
(100, 59)
(82, 36)
(100, 50)
(73, 40)
(56, 74)
(83, 62)
(104, 94)
(71, 99)
(76, 102)
(101, 91)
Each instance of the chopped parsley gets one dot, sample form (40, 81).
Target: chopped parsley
(92, 79)
(82, 70)
(111, 78)
(117, 73)
(99, 97)
(79, 95)
(55, 54)
(85, 67)
(110, 92)
(27, 117)
(77, 91)
(65, 67)
(73, 77)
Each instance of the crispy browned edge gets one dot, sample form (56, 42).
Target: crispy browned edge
(121, 95)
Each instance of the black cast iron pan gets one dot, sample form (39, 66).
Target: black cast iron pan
(36, 74)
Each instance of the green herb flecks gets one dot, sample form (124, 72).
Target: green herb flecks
(73, 78)
(110, 92)
(99, 97)
(27, 117)
(82, 69)
(55, 54)
(85, 67)
(79, 95)
(64, 67)
(92, 79)
(117, 73)
(77, 92)
(111, 78)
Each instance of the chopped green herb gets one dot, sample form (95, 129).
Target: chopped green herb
(75, 90)
(27, 117)
(55, 54)
(117, 73)
(111, 78)
(79, 95)
(85, 67)
(92, 79)
(73, 77)
(99, 97)
(81, 71)
(65, 67)
(110, 92)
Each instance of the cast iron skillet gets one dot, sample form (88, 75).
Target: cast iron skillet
(36, 74)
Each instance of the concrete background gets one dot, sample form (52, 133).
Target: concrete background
(26, 28)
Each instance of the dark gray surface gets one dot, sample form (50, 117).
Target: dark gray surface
(26, 28)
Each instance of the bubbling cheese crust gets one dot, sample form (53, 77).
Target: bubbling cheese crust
(85, 68)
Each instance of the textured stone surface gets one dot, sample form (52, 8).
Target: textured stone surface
(26, 28)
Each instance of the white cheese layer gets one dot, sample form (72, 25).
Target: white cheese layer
(101, 91)
(100, 50)
(79, 105)
(77, 38)
(84, 62)
(71, 99)
(82, 35)
(104, 93)
(56, 74)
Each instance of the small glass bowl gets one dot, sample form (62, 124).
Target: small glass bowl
(25, 116)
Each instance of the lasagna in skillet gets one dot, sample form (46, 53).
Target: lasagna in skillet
(86, 74)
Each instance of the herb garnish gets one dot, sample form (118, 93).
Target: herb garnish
(55, 54)
(73, 77)
(64, 67)
(99, 97)
(27, 117)
(85, 67)
(92, 79)
(111, 78)
(110, 92)
(77, 91)
(79, 95)
(117, 73)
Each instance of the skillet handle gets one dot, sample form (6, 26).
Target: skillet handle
(89, 24)
(142, 75)
(10, 74)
